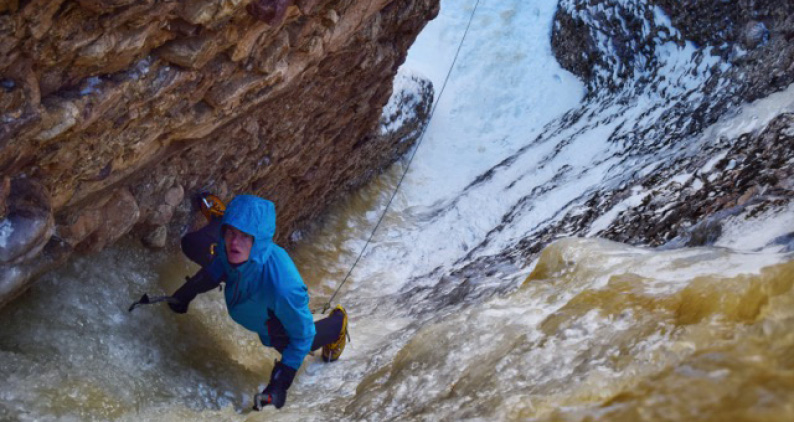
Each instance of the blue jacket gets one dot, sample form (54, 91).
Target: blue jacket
(268, 281)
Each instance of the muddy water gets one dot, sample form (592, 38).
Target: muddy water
(603, 331)
(596, 331)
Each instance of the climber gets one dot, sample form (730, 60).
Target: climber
(264, 291)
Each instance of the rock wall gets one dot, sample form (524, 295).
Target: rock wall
(116, 113)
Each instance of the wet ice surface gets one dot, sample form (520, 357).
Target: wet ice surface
(71, 350)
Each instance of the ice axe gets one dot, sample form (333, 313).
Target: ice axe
(146, 300)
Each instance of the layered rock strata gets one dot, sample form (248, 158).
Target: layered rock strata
(116, 113)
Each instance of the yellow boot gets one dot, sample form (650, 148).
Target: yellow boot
(331, 352)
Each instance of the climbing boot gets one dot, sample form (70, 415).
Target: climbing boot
(332, 351)
(211, 206)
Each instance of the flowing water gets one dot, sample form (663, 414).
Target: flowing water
(597, 331)
(588, 330)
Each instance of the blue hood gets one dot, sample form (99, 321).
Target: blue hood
(255, 216)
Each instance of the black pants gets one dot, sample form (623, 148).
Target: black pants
(328, 330)
(199, 246)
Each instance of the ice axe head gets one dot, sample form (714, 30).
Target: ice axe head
(146, 300)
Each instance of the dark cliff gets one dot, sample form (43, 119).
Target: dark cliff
(116, 113)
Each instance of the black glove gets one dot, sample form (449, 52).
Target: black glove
(199, 283)
(276, 391)
(178, 305)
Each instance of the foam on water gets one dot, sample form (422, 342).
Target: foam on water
(588, 324)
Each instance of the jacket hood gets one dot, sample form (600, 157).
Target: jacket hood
(255, 216)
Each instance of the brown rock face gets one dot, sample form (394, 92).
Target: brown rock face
(121, 111)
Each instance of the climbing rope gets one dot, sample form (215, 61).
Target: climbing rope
(327, 304)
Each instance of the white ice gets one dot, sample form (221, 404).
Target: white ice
(758, 232)
(504, 91)
(504, 88)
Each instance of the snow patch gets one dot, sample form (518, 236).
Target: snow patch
(759, 232)
(751, 118)
(712, 162)
(406, 93)
(602, 222)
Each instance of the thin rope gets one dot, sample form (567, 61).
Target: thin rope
(410, 160)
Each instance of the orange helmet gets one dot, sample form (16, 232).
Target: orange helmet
(211, 206)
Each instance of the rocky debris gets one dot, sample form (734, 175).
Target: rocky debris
(408, 107)
(756, 173)
(609, 43)
(612, 43)
(755, 34)
(403, 120)
(713, 23)
(111, 106)
(102, 223)
(720, 30)
(574, 46)
(160, 209)
(119, 214)
(156, 239)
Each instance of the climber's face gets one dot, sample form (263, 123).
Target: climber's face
(238, 245)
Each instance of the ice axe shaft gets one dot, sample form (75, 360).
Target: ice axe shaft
(146, 300)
